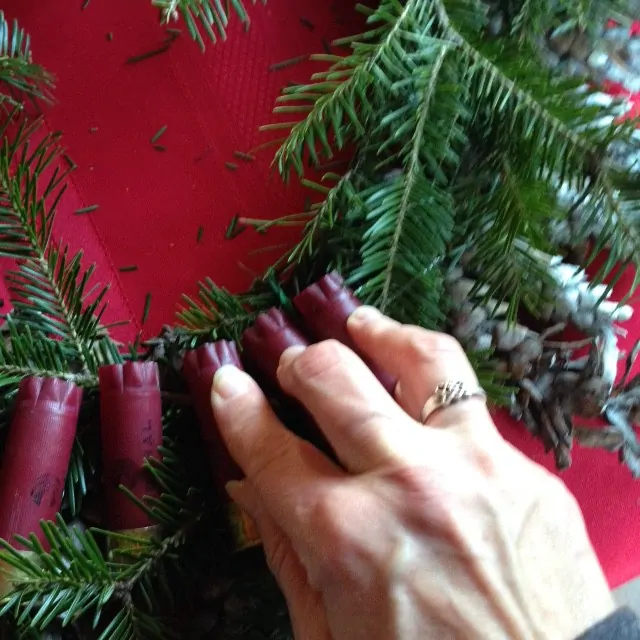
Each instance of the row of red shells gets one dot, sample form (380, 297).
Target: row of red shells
(42, 432)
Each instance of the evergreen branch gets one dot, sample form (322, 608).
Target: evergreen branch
(17, 70)
(496, 209)
(218, 314)
(529, 19)
(552, 132)
(24, 352)
(208, 16)
(74, 578)
(414, 173)
(540, 113)
(494, 383)
(324, 216)
(49, 289)
(414, 279)
(342, 95)
(65, 582)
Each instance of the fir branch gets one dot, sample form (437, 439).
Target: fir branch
(409, 287)
(498, 206)
(24, 352)
(529, 19)
(323, 216)
(17, 70)
(339, 96)
(414, 173)
(74, 578)
(218, 314)
(50, 291)
(208, 16)
(537, 115)
(373, 97)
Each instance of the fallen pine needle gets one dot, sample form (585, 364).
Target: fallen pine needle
(247, 157)
(158, 133)
(285, 64)
(89, 209)
(147, 307)
(148, 54)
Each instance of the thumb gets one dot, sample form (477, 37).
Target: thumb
(305, 605)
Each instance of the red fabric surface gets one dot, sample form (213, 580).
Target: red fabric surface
(151, 203)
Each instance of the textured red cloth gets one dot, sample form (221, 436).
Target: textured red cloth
(152, 203)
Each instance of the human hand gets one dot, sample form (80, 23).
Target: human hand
(439, 531)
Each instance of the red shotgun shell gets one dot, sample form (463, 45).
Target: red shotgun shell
(36, 457)
(325, 307)
(270, 336)
(199, 368)
(131, 427)
(263, 344)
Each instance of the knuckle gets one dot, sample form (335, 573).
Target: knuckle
(428, 345)
(482, 456)
(318, 360)
(428, 501)
(271, 455)
(415, 483)
(327, 521)
(326, 513)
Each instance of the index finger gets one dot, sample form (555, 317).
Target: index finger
(287, 472)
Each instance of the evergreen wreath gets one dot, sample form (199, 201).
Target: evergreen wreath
(437, 218)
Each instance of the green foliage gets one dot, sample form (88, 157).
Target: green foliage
(220, 315)
(529, 19)
(462, 139)
(459, 141)
(24, 352)
(18, 73)
(207, 18)
(86, 573)
(51, 292)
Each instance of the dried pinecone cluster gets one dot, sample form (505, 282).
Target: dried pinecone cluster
(557, 381)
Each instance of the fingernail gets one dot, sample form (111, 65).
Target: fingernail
(230, 382)
(289, 355)
(363, 315)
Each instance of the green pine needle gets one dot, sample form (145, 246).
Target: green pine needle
(462, 141)
(18, 73)
(204, 18)
(51, 292)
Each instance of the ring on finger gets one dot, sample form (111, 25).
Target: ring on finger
(448, 393)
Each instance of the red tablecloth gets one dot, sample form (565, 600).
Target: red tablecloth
(152, 203)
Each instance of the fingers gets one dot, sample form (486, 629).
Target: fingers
(285, 470)
(421, 360)
(361, 421)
